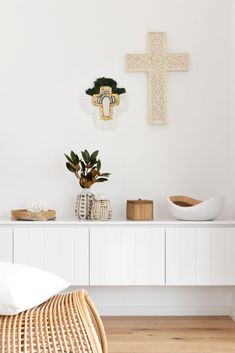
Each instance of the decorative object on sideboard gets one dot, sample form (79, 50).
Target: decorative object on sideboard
(87, 170)
(105, 96)
(157, 62)
(188, 209)
(83, 204)
(139, 210)
(101, 209)
(37, 207)
(26, 215)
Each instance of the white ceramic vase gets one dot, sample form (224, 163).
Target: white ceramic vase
(84, 203)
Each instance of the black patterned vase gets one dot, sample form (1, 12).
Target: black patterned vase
(84, 204)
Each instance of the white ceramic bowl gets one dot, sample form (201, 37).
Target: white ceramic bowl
(204, 211)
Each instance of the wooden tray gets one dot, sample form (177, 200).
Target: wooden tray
(25, 215)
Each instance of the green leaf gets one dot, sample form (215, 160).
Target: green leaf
(70, 167)
(74, 158)
(98, 165)
(87, 155)
(94, 155)
(103, 81)
(100, 180)
(83, 156)
(68, 158)
(83, 166)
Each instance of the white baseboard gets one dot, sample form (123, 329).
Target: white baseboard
(232, 313)
(165, 310)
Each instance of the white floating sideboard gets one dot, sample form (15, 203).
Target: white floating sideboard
(134, 268)
(158, 253)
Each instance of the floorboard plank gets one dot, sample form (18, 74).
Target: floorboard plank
(170, 334)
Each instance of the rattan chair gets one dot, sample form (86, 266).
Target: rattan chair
(67, 323)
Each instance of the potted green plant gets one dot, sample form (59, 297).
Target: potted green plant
(87, 169)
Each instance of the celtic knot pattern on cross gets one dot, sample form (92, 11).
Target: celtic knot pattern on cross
(157, 63)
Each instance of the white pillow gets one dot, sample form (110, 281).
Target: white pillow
(23, 287)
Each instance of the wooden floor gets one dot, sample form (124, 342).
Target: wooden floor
(170, 335)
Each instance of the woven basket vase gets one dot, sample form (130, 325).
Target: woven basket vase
(67, 323)
(101, 210)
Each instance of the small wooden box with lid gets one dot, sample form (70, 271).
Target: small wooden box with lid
(139, 210)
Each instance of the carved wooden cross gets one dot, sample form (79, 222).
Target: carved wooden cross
(105, 100)
(157, 63)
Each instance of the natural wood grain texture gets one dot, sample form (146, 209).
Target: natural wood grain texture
(25, 215)
(170, 334)
(139, 210)
(184, 201)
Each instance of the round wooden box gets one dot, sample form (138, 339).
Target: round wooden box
(139, 210)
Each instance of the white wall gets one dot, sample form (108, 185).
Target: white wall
(232, 108)
(52, 50)
(231, 196)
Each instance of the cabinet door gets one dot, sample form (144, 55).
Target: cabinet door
(200, 256)
(127, 256)
(6, 249)
(62, 251)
